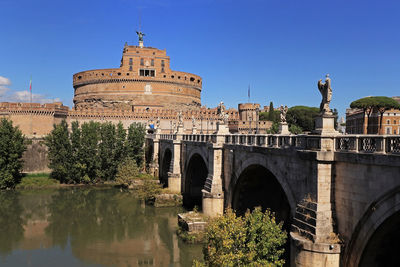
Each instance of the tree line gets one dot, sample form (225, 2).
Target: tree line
(300, 118)
(91, 152)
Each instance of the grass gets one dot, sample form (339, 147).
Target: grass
(37, 180)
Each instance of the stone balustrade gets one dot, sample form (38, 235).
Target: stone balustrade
(383, 144)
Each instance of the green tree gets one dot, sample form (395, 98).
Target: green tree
(107, 151)
(274, 128)
(127, 172)
(294, 129)
(377, 103)
(60, 152)
(302, 116)
(77, 171)
(263, 116)
(253, 240)
(271, 115)
(89, 150)
(12, 146)
(135, 143)
(120, 137)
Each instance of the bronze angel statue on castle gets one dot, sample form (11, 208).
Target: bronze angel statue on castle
(326, 92)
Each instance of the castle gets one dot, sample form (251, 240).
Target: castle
(143, 89)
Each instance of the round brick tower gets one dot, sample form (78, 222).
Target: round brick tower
(144, 79)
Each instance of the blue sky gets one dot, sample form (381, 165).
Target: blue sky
(280, 47)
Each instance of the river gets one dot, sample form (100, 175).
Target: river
(88, 226)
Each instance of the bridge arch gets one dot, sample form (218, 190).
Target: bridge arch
(271, 172)
(196, 173)
(165, 167)
(375, 240)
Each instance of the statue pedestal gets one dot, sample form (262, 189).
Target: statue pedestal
(180, 129)
(222, 128)
(325, 125)
(283, 128)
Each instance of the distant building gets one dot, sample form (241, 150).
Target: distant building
(358, 123)
(248, 121)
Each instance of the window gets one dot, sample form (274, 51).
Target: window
(152, 62)
(394, 132)
(130, 68)
(147, 73)
(387, 130)
(130, 61)
(394, 122)
(388, 122)
(141, 62)
(162, 70)
(162, 63)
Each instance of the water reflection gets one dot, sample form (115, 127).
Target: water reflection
(11, 222)
(96, 227)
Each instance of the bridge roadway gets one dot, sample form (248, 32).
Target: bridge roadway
(338, 195)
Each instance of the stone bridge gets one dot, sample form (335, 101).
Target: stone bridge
(338, 195)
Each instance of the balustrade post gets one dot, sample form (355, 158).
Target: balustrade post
(384, 144)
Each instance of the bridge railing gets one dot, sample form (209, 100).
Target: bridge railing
(168, 136)
(368, 143)
(384, 144)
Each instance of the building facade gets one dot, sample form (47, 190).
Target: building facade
(358, 122)
(143, 80)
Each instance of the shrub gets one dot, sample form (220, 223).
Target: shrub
(12, 146)
(127, 172)
(149, 190)
(255, 240)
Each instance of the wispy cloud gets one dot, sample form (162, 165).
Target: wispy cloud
(4, 83)
(9, 95)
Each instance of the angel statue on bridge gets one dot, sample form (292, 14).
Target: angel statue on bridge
(326, 92)
(283, 111)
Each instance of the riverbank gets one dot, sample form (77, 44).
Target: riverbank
(144, 187)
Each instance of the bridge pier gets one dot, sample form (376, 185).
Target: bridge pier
(213, 195)
(175, 176)
(154, 165)
(313, 238)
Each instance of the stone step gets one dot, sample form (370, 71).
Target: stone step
(309, 205)
(303, 233)
(306, 218)
(304, 226)
(304, 210)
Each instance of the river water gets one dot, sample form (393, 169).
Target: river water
(82, 226)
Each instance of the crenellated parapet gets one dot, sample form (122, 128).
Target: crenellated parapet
(50, 109)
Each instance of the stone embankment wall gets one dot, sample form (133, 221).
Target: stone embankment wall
(35, 157)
